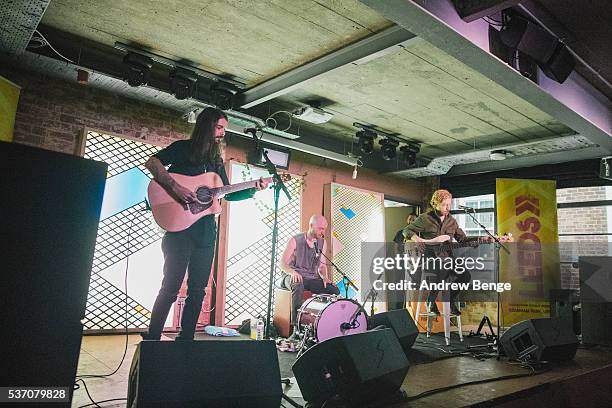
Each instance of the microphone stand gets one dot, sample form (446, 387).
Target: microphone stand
(498, 245)
(278, 185)
(347, 281)
(374, 294)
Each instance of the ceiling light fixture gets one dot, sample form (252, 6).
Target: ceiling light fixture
(409, 153)
(223, 95)
(366, 141)
(182, 83)
(137, 69)
(294, 145)
(388, 148)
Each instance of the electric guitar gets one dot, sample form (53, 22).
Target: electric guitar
(174, 216)
(445, 248)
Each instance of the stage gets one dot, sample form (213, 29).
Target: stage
(584, 381)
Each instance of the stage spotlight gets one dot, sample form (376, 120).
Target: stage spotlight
(137, 69)
(388, 148)
(182, 83)
(366, 141)
(223, 95)
(409, 153)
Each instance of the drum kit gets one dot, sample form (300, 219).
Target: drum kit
(323, 317)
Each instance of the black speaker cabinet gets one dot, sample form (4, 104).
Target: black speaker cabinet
(357, 369)
(564, 304)
(50, 210)
(596, 299)
(548, 339)
(402, 325)
(209, 373)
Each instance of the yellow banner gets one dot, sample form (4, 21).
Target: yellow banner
(9, 96)
(528, 210)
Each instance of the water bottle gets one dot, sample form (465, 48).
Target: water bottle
(260, 328)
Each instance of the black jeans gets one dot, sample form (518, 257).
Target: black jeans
(182, 253)
(313, 285)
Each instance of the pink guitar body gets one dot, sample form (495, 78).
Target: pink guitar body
(174, 216)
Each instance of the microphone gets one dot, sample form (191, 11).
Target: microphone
(465, 207)
(252, 131)
(316, 247)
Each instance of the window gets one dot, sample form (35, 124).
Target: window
(585, 228)
(484, 212)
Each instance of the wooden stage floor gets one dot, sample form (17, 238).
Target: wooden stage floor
(585, 381)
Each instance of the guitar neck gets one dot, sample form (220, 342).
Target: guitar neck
(232, 188)
(455, 245)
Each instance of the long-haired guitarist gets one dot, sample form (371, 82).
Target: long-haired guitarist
(192, 249)
(438, 226)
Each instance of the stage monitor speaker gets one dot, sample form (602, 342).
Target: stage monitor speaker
(596, 299)
(402, 325)
(210, 373)
(50, 210)
(357, 369)
(546, 339)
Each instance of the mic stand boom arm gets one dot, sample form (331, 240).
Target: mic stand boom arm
(345, 278)
(497, 241)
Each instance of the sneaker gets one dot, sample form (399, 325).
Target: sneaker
(432, 307)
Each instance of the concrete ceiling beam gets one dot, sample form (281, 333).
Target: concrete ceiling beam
(370, 47)
(576, 103)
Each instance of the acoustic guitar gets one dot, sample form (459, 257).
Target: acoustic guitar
(174, 216)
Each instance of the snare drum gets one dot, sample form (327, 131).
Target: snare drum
(325, 314)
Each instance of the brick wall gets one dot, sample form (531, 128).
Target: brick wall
(52, 114)
(581, 221)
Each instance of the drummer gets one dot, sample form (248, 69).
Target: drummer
(303, 267)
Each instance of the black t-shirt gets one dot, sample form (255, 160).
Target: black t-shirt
(176, 156)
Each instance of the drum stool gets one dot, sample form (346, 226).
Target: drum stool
(446, 314)
(282, 309)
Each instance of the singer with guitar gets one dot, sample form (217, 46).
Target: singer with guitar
(435, 227)
(303, 268)
(181, 193)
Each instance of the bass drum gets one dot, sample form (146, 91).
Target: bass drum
(325, 315)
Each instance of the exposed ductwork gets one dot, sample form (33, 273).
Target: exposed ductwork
(18, 22)
(442, 165)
